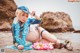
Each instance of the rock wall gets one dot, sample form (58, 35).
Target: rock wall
(56, 22)
(7, 10)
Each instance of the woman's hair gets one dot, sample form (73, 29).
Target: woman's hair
(18, 11)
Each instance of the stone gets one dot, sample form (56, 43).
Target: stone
(77, 31)
(7, 13)
(56, 22)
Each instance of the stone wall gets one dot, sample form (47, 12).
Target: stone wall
(56, 21)
(7, 10)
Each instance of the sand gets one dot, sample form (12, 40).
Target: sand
(6, 40)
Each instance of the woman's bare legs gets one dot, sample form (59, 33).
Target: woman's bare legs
(33, 34)
(46, 35)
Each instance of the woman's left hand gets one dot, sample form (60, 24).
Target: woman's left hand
(32, 13)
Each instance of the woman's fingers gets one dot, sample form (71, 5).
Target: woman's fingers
(32, 13)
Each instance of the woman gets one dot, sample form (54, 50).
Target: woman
(21, 23)
(22, 31)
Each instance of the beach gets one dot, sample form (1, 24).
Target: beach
(6, 40)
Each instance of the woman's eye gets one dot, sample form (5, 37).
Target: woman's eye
(22, 14)
(26, 15)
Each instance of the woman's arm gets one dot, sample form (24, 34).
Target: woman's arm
(16, 31)
(35, 19)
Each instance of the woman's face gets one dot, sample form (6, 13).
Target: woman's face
(23, 17)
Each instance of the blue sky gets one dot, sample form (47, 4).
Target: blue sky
(72, 8)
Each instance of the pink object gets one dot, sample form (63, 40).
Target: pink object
(42, 46)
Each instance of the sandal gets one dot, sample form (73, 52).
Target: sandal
(70, 48)
(61, 45)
